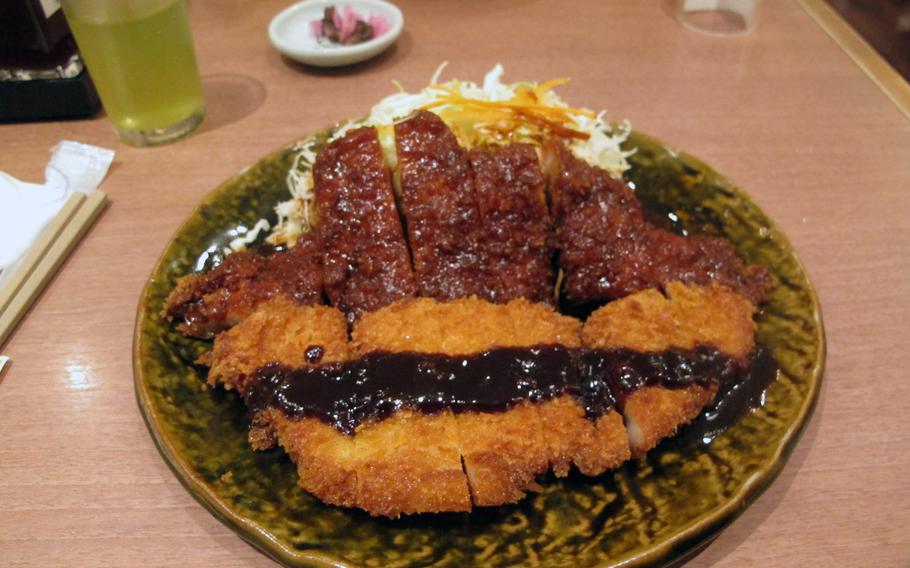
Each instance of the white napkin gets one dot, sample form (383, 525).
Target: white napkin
(26, 208)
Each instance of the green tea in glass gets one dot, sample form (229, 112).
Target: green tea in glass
(140, 56)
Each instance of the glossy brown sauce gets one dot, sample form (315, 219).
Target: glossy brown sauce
(372, 388)
(734, 399)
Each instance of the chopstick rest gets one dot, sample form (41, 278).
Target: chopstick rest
(54, 247)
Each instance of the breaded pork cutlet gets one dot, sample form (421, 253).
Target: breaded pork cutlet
(295, 336)
(512, 202)
(365, 258)
(213, 301)
(440, 210)
(502, 451)
(607, 250)
(649, 322)
(415, 461)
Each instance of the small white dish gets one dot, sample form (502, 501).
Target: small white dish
(291, 34)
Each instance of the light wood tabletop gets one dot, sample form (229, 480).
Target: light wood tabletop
(782, 111)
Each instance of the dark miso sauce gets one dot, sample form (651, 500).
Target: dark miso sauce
(379, 384)
(734, 400)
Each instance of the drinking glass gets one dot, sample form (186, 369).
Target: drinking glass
(140, 56)
(717, 17)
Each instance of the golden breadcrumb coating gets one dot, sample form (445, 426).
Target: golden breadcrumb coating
(502, 452)
(326, 460)
(462, 326)
(593, 447)
(691, 315)
(410, 463)
(278, 331)
(648, 321)
(407, 463)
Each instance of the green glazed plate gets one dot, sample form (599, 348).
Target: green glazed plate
(648, 513)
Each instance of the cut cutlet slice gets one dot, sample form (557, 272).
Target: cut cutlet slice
(607, 250)
(399, 465)
(513, 209)
(502, 451)
(407, 463)
(278, 332)
(295, 336)
(410, 463)
(649, 322)
(570, 437)
(365, 258)
(220, 298)
(327, 460)
(440, 210)
(594, 447)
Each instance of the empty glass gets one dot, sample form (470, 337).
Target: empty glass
(718, 17)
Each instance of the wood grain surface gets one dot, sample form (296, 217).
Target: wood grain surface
(783, 112)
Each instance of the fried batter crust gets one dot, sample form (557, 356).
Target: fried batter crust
(278, 332)
(648, 321)
(686, 317)
(216, 300)
(326, 461)
(502, 452)
(607, 250)
(462, 326)
(366, 264)
(410, 463)
(518, 246)
(404, 464)
(572, 438)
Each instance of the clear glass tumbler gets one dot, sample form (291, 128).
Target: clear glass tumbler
(716, 17)
(140, 56)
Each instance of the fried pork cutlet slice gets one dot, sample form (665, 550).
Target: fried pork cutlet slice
(513, 209)
(649, 322)
(218, 299)
(406, 463)
(279, 331)
(410, 463)
(296, 336)
(504, 451)
(365, 258)
(607, 250)
(440, 210)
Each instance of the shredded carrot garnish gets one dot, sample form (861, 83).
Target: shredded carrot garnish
(523, 111)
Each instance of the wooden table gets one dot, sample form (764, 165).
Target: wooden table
(784, 112)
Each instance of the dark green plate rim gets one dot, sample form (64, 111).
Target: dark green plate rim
(686, 541)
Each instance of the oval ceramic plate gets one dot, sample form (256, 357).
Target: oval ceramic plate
(644, 514)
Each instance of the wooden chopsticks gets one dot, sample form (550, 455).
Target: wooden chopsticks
(50, 250)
